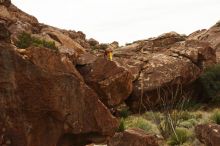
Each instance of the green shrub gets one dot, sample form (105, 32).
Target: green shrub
(143, 124)
(215, 117)
(139, 122)
(188, 123)
(25, 40)
(182, 135)
(124, 113)
(152, 116)
(121, 127)
(210, 82)
(185, 115)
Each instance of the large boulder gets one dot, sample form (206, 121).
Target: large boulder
(209, 134)
(44, 101)
(162, 62)
(112, 83)
(133, 137)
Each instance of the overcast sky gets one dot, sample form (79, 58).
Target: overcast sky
(124, 20)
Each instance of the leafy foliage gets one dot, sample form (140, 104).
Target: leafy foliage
(25, 40)
(210, 82)
(124, 113)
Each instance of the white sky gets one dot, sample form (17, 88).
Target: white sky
(124, 20)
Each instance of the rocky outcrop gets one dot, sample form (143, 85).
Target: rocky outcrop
(64, 42)
(44, 100)
(50, 98)
(209, 134)
(17, 21)
(133, 137)
(160, 62)
(212, 35)
(112, 83)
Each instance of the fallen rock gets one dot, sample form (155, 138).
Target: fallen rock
(46, 103)
(156, 65)
(112, 83)
(209, 134)
(133, 137)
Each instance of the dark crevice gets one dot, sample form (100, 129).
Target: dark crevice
(54, 37)
(197, 63)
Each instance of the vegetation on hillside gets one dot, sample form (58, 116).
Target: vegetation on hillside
(184, 131)
(174, 122)
(25, 40)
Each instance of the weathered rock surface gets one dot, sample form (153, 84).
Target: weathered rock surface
(44, 100)
(133, 137)
(209, 134)
(65, 43)
(161, 62)
(112, 83)
(212, 35)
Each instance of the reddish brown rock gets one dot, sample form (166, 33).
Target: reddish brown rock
(211, 35)
(133, 137)
(161, 62)
(112, 83)
(44, 103)
(209, 134)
